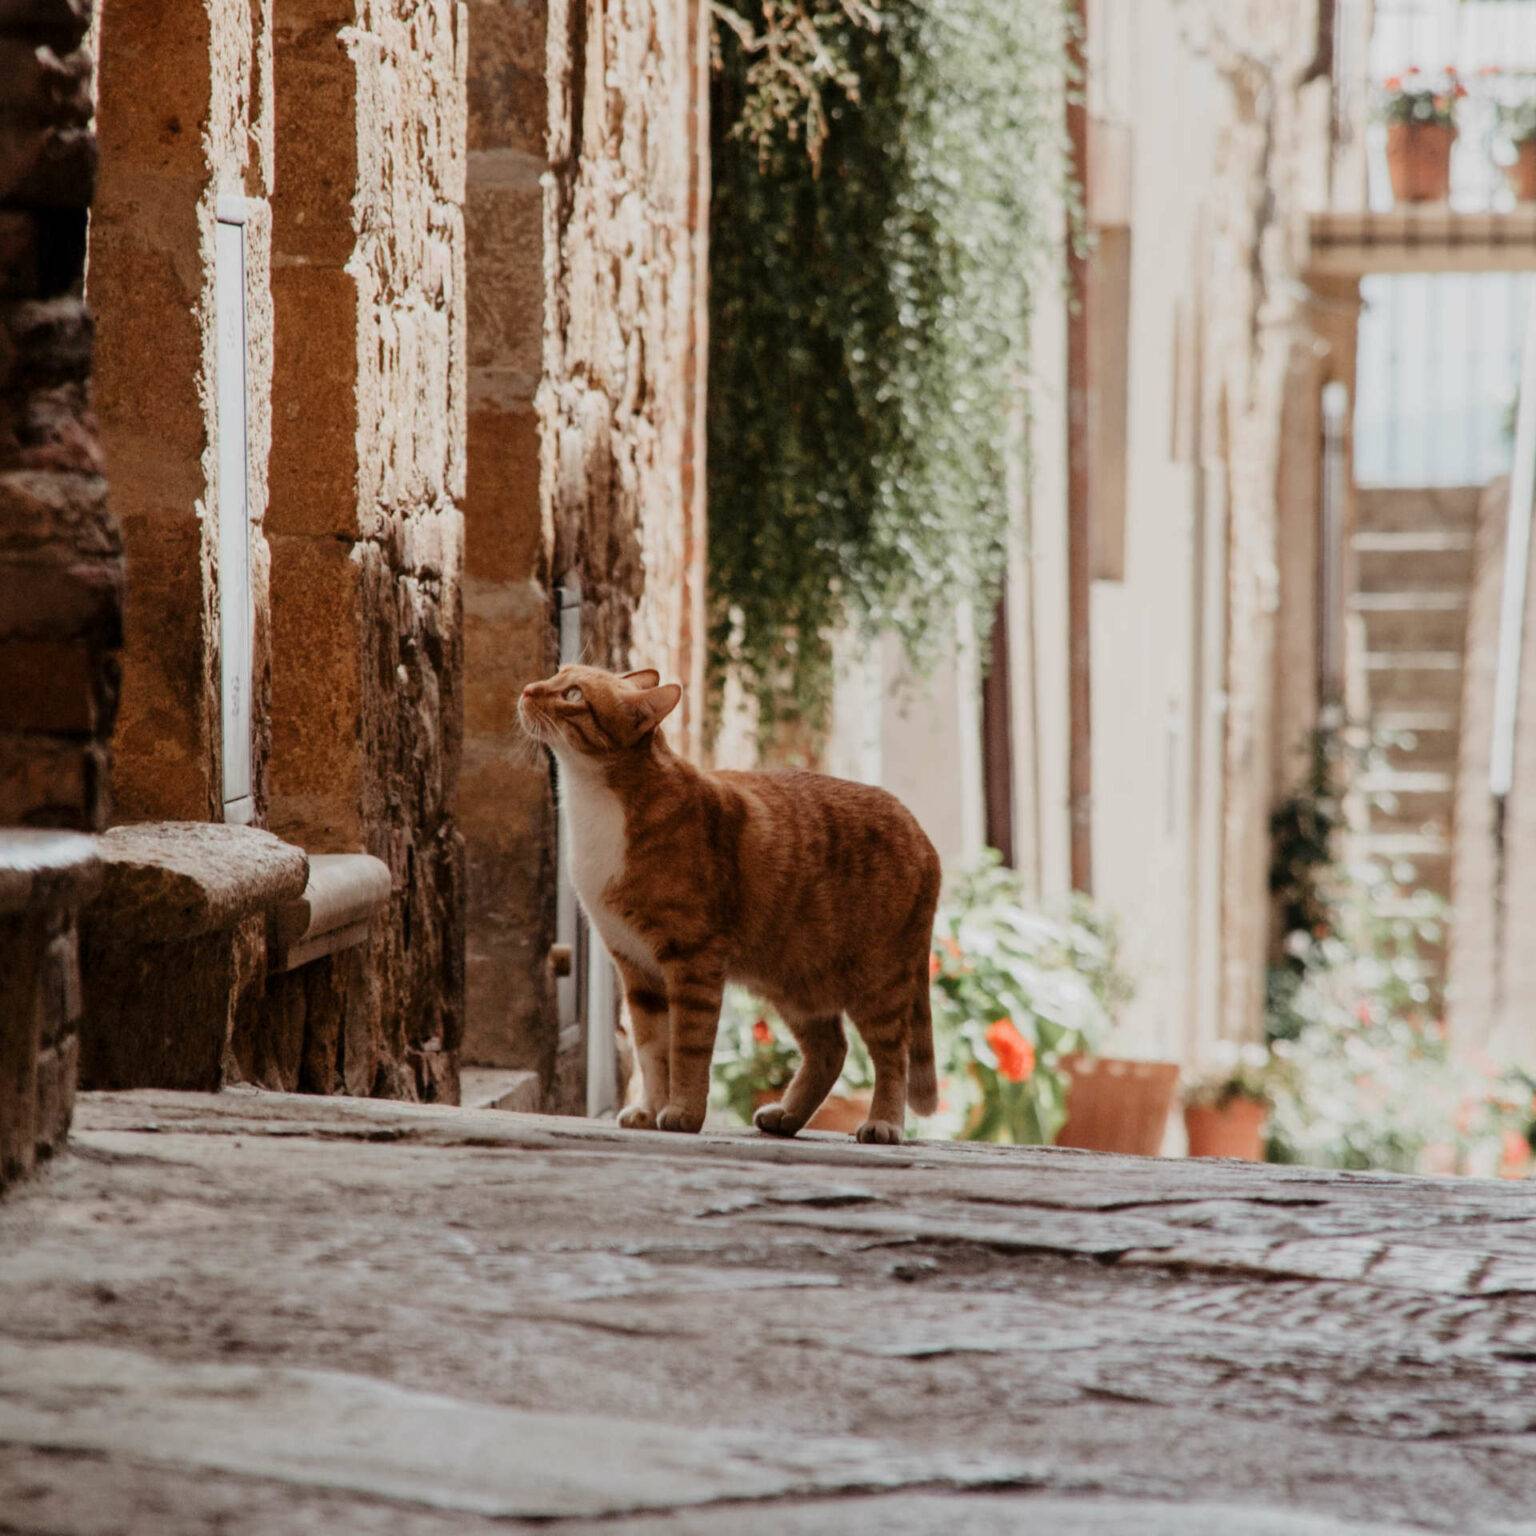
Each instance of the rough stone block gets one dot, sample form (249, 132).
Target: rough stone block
(58, 1070)
(165, 951)
(44, 877)
(171, 880)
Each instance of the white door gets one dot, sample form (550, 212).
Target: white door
(234, 544)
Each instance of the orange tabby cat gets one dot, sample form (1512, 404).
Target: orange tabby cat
(815, 893)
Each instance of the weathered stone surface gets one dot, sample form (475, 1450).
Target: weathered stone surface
(44, 877)
(658, 1334)
(169, 880)
(343, 889)
(41, 869)
(492, 1088)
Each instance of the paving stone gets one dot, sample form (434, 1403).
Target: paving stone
(259, 1312)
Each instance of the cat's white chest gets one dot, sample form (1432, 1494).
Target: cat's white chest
(594, 836)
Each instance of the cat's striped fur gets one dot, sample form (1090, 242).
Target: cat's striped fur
(816, 893)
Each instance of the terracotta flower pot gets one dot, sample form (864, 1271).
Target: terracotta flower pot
(1419, 161)
(1522, 174)
(1117, 1106)
(844, 1112)
(1233, 1129)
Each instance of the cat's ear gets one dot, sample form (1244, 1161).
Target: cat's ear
(646, 677)
(655, 704)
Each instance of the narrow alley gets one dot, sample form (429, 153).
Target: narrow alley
(260, 1312)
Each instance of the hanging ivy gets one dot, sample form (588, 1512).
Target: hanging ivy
(869, 316)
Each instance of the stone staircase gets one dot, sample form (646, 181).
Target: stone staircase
(1413, 570)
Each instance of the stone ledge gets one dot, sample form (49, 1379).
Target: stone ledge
(168, 880)
(498, 1088)
(343, 893)
(46, 869)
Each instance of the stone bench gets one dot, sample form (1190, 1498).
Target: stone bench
(45, 877)
(178, 929)
(312, 1028)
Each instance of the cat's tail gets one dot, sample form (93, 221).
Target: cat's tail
(922, 1076)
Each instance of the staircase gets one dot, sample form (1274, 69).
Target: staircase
(1413, 572)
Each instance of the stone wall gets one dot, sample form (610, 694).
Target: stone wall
(336, 131)
(185, 115)
(60, 571)
(368, 476)
(586, 322)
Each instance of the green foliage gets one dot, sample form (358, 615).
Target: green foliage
(1014, 992)
(869, 321)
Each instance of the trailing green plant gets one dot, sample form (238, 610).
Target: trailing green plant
(795, 55)
(870, 316)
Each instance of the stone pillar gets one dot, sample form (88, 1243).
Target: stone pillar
(60, 572)
(184, 118)
(586, 368)
(368, 477)
(506, 807)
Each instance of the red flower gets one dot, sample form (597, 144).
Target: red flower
(1015, 1055)
(1394, 82)
(1413, 69)
(935, 965)
(1363, 1012)
(762, 1032)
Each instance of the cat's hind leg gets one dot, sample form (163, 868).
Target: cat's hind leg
(885, 1032)
(823, 1049)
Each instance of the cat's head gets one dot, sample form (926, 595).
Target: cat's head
(585, 712)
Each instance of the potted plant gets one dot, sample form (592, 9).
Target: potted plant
(1517, 128)
(1419, 110)
(1226, 1108)
(1017, 995)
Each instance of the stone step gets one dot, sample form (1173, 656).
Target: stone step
(1380, 509)
(1398, 629)
(1412, 562)
(1420, 860)
(1413, 678)
(1418, 738)
(500, 1088)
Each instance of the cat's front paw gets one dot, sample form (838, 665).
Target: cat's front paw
(637, 1118)
(775, 1120)
(886, 1132)
(675, 1118)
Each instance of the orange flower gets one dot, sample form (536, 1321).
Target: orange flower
(762, 1032)
(935, 965)
(1015, 1055)
(1441, 103)
(952, 948)
(1394, 82)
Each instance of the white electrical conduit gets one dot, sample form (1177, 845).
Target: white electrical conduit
(1517, 557)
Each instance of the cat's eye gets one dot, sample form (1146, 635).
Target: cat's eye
(572, 695)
